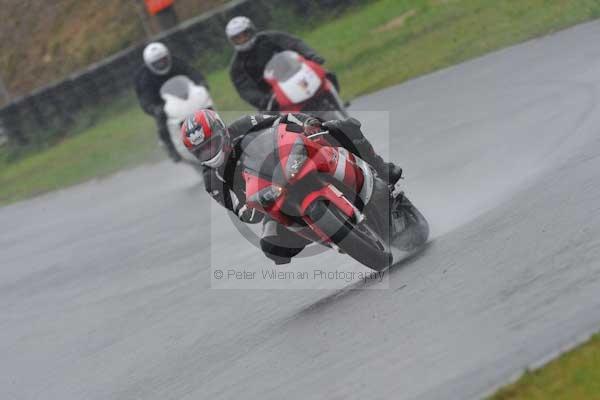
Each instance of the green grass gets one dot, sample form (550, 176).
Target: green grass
(573, 376)
(370, 47)
(126, 139)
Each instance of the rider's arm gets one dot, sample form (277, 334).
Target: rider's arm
(290, 42)
(248, 123)
(226, 196)
(246, 87)
(148, 96)
(217, 188)
(349, 134)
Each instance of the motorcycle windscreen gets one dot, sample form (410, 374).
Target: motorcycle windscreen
(178, 86)
(296, 79)
(183, 97)
(302, 85)
(261, 156)
(283, 66)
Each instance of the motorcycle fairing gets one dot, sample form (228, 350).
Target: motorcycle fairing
(294, 79)
(337, 163)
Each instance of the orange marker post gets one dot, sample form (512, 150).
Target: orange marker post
(156, 6)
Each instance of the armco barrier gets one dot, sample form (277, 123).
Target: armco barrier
(53, 108)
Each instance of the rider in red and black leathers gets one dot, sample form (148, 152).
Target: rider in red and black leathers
(248, 64)
(225, 185)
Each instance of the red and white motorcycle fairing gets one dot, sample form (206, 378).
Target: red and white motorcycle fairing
(301, 85)
(330, 196)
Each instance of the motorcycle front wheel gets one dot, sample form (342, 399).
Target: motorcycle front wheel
(359, 241)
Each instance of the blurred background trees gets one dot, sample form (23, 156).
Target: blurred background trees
(42, 41)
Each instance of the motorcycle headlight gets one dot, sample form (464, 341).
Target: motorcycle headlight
(296, 159)
(267, 196)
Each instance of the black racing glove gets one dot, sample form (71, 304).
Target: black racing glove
(342, 124)
(349, 135)
(313, 125)
(349, 128)
(318, 59)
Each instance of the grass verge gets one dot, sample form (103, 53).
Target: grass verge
(573, 376)
(124, 140)
(370, 47)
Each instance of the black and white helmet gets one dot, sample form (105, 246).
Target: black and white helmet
(241, 32)
(157, 58)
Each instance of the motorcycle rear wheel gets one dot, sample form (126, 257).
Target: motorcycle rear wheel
(416, 231)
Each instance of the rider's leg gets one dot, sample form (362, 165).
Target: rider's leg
(280, 244)
(349, 134)
(165, 138)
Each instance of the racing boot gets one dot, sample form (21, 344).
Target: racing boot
(173, 154)
(388, 171)
(165, 141)
(280, 244)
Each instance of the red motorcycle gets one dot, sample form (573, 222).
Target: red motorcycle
(301, 85)
(329, 196)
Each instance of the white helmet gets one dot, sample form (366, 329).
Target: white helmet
(241, 32)
(157, 58)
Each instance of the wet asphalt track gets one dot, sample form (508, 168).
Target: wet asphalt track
(105, 288)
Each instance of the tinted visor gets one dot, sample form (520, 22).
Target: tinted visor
(209, 149)
(242, 37)
(162, 64)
